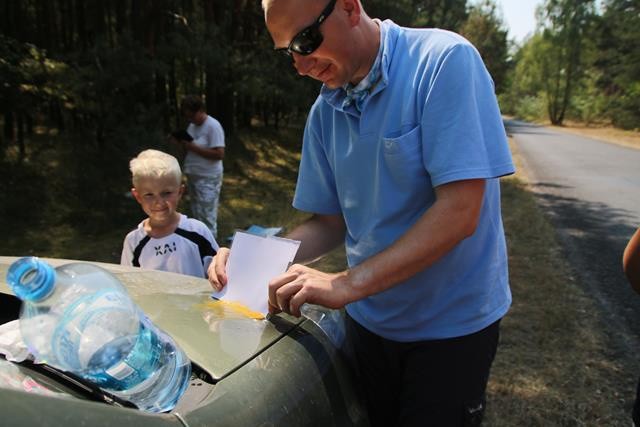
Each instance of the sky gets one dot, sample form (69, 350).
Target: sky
(519, 17)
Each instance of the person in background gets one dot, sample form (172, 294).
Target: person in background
(204, 146)
(166, 240)
(631, 268)
(402, 154)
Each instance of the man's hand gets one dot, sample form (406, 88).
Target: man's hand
(180, 143)
(173, 140)
(217, 271)
(301, 284)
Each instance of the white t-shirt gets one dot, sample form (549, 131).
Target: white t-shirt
(188, 250)
(208, 135)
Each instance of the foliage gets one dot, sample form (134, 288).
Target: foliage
(114, 72)
(446, 14)
(565, 24)
(402, 11)
(618, 62)
(584, 64)
(485, 30)
(526, 90)
(30, 78)
(531, 107)
(588, 104)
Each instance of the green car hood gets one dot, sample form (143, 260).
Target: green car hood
(218, 337)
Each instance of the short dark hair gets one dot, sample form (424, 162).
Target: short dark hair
(192, 103)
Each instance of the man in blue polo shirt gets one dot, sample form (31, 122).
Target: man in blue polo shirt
(401, 160)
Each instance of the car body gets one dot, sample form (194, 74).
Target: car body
(247, 372)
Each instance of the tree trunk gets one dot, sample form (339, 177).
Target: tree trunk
(21, 147)
(161, 99)
(121, 16)
(29, 124)
(109, 26)
(80, 26)
(173, 94)
(9, 129)
(219, 103)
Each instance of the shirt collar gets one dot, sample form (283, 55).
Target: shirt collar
(358, 93)
(374, 81)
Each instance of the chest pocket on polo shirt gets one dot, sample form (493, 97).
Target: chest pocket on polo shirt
(403, 156)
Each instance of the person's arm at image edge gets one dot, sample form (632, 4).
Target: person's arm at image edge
(631, 261)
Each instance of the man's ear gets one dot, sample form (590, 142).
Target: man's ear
(352, 7)
(181, 190)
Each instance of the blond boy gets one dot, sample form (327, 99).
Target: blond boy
(166, 240)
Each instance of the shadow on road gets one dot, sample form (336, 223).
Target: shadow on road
(593, 237)
(517, 126)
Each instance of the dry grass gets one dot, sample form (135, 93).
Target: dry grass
(554, 366)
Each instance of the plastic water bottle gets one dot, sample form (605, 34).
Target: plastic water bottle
(79, 318)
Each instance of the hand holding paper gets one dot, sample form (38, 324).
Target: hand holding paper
(253, 262)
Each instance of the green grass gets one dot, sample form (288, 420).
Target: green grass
(553, 366)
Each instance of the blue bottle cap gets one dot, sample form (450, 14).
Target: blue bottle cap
(31, 279)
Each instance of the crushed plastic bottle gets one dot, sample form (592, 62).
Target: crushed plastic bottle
(79, 318)
(331, 322)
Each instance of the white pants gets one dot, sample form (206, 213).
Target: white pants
(204, 192)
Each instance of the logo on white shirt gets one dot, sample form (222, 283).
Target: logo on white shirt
(166, 248)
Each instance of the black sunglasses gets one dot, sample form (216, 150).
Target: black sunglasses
(309, 39)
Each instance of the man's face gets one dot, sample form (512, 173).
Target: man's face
(330, 63)
(195, 117)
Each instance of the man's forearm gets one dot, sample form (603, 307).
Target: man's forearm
(451, 219)
(208, 153)
(318, 235)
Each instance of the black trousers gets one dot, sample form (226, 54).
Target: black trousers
(424, 383)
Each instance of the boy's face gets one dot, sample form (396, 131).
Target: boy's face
(159, 198)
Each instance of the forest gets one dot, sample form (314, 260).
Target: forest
(88, 84)
(112, 71)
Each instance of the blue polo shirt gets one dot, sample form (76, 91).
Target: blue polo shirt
(432, 119)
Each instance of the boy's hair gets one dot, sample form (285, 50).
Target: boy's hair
(154, 164)
(192, 104)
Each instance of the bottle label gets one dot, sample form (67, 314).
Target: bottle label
(134, 363)
(120, 371)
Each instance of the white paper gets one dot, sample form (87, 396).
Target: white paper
(253, 262)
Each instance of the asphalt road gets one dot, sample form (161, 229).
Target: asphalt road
(591, 191)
